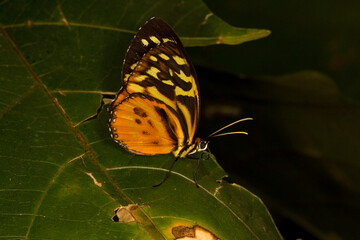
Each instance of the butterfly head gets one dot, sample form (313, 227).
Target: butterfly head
(203, 146)
(199, 146)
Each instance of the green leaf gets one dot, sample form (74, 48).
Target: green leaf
(62, 174)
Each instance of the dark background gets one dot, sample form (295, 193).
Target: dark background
(301, 85)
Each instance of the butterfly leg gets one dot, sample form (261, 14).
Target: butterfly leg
(168, 173)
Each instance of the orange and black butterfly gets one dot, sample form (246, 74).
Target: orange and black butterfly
(156, 111)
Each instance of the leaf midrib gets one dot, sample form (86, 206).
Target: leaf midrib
(75, 24)
(260, 33)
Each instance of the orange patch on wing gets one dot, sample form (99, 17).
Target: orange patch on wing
(139, 127)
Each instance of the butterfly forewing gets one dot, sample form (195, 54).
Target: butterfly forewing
(157, 67)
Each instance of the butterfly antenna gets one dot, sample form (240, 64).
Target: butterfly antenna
(168, 173)
(229, 125)
(229, 133)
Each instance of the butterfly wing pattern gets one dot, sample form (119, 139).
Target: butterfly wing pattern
(157, 109)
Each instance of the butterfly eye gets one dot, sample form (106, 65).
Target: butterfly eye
(203, 145)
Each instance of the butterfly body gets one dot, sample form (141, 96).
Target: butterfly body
(157, 109)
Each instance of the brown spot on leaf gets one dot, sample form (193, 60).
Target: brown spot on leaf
(196, 232)
(150, 123)
(66, 23)
(61, 92)
(155, 142)
(220, 40)
(137, 121)
(206, 18)
(182, 231)
(145, 133)
(92, 177)
(29, 23)
(123, 214)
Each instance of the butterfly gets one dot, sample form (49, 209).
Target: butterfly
(156, 111)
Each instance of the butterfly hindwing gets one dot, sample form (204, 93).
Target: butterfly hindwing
(144, 125)
(157, 66)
